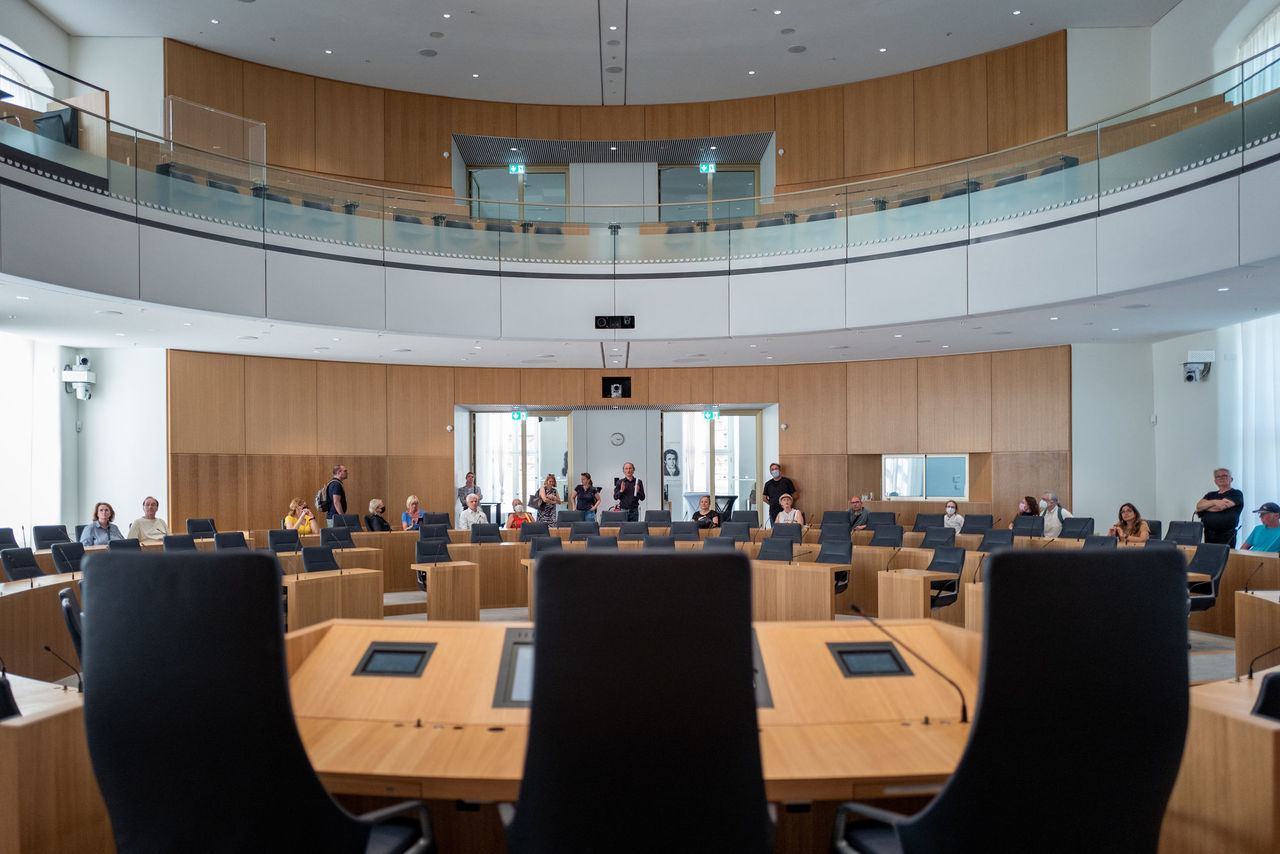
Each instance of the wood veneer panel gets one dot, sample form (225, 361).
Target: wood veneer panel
(419, 407)
(551, 387)
(280, 406)
(485, 118)
(1027, 91)
(206, 403)
(203, 76)
(676, 121)
(544, 121)
(1031, 400)
(881, 406)
(810, 127)
(955, 404)
(811, 402)
(208, 486)
(430, 478)
(740, 115)
(679, 386)
(757, 384)
(639, 386)
(820, 481)
(1014, 475)
(612, 122)
(950, 110)
(980, 479)
(366, 479)
(486, 385)
(351, 404)
(864, 475)
(274, 481)
(416, 137)
(287, 103)
(349, 129)
(879, 125)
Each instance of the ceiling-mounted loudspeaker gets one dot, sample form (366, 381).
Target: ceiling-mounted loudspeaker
(615, 321)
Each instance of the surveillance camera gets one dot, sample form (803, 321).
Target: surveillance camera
(1195, 372)
(79, 380)
(82, 362)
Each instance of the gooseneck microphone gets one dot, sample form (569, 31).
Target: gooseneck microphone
(1259, 656)
(1251, 575)
(8, 705)
(964, 707)
(885, 568)
(79, 677)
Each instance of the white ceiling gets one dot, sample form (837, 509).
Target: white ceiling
(556, 51)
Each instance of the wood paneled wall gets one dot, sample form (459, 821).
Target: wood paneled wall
(839, 133)
(247, 434)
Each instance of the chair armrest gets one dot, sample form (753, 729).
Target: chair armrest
(418, 808)
(866, 811)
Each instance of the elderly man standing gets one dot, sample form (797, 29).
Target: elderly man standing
(859, 516)
(472, 515)
(1053, 514)
(1220, 509)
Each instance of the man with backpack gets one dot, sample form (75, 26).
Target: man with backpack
(332, 498)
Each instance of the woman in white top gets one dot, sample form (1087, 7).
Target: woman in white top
(788, 513)
(952, 519)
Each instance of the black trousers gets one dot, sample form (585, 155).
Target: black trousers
(1225, 537)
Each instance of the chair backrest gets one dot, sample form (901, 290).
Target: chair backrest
(568, 517)
(1211, 559)
(318, 559)
(347, 520)
(201, 528)
(19, 564)
(633, 530)
(661, 518)
(179, 543)
(887, 535)
(685, 531)
(787, 531)
(433, 531)
(835, 551)
(750, 517)
(7, 540)
(1185, 533)
(736, 531)
(485, 532)
(1096, 716)
(44, 536)
(947, 559)
(545, 544)
(652, 542)
(691, 608)
(1076, 528)
(1028, 526)
(595, 541)
(436, 519)
(1093, 543)
(925, 521)
(719, 544)
(612, 517)
(935, 537)
(284, 540)
(222, 610)
(79, 531)
(582, 530)
(996, 538)
(130, 544)
(877, 518)
(977, 523)
(336, 537)
(229, 540)
(837, 518)
(1155, 527)
(1153, 543)
(66, 556)
(529, 530)
(776, 548)
(435, 550)
(71, 616)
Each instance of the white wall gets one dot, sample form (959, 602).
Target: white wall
(619, 183)
(1183, 43)
(41, 38)
(131, 70)
(1108, 71)
(593, 451)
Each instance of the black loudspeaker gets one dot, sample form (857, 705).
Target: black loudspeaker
(615, 321)
(1268, 702)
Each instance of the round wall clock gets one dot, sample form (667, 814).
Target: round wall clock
(617, 439)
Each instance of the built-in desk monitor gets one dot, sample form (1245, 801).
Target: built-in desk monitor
(384, 658)
(878, 658)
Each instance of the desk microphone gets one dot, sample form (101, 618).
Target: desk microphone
(79, 678)
(1258, 656)
(1251, 575)
(885, 568)
(8, 705)
(1046, 542)
(964, 707)
(24, 535)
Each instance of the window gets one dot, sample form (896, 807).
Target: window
(537, 195)
(1260, 75)
(35, 87)
(511, 458)
(925, 476)
(689, 194)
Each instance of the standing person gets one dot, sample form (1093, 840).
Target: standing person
(101, 531)
(336, 493)
(473, 515)
(586, 497)
(951, 517)
(469, 488)
(775, 488)
(549, 497)
(628, 491)
(859, 516)
(148, 527)
(1220, 509)
(1265, 537)
(1053, 514)
(411, 518)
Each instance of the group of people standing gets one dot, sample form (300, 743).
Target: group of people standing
(628, 493)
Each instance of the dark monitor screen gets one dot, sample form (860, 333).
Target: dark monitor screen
(522, 674)
(384, 658)
(515, 670)
(869, 659)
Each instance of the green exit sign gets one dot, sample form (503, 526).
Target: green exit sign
(518, 168)
(706, 168)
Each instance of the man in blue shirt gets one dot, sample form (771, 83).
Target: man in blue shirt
(1265, 537)
(337, 495)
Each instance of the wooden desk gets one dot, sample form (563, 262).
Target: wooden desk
(358, 558)
(1257, 628)
(30, 618)
(906, 594)
(1221, 618)
(502, 578)
(314, 597)
(397, 554)
(453, 589)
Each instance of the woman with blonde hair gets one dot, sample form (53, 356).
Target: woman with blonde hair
(300, 518)
(549, 497)
(412, 517)
(375, 521)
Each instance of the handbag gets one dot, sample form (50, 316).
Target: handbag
(535, 501)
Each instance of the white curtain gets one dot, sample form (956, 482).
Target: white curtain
(1259, 413)
(1261, 75)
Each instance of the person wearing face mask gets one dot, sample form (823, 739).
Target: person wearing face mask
(776, 487)
(951, 518)
(1053, 514)
(1028, 507)
(518, 515)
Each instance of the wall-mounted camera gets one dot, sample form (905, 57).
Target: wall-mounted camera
(1196, 368)
(77, 379)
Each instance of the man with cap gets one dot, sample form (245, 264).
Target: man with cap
(1265, 537)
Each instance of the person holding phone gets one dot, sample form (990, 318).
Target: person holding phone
(300, 518)
(628, 491)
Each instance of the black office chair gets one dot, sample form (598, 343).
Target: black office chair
(818, 217)
(318, 559)
(125, 545)
(504, 227)
(679, 229)
(1076, 528)
(612, 517)
(7, 540)
(201, 528)
(887, 535)
(436, 519)
(1211, 559)
(788, 531)
(686, 532)
(596, 542)
(736, 531)
(936, 537)
(1185, 533)
(408, 219)
(224, 699)
(1095, 715)
(876, 519)
(284, 540)
(1153, 543)
(771, 222)
(925, 521)
(529, 530)
(230, 540)
(914, 200)
(728, 226)
(977, 523)
(79, 531)
(433, 531)
(834, 551)
(777, 548)
(44, 536)
(837, 520)
(19, 564)
(1155, 527)
(71, 616)
(1028, 526)
(996, 538)
(179, 543)
(347, 520)
(538, 545)
(657, 518)
(1094, 543)
(317, 206)
(749, 517)
(339, 538)
(214, 184)
(431, 551)
(567, 517)
(691, 608)
(581, 530)
(547, 229)
(652, 542)
(946, 590)
(633, 531)
(483, 532)
(719, 544)
(67, 556)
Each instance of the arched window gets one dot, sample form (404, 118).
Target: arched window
(35, 87)
(1261, 73)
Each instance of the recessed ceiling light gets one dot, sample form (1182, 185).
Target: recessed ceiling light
(186, 324)
(436, 35)
(946, 346)
(213, 20)
(477, 347)
(612, 27)
(797, 48)
(753, 346)
(248, 337)
(1053, 318)
(613, 42)
(750, 72)
(713, 148)
(613, 148)
(515, 149)
(897, 335)
(1222, 290)
(428, 52)
(475, 75)
(883, 49)
(23, 297)
(447, 15)
(402, 350)
(614, 69)
(1115, 329)
(335, 339)
(786, 31)
(777, 11)
(1017, 11)
(108, 312)
(769, 358)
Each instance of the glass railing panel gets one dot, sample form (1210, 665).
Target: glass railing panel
(198, 126)
(794, 223)
(1259, 95)
(198, 183)
(434, 225)
(921, 203)
(671, 242)
(1200, 123)
(321, 209)
(122, 157)
(562, 242)
(1041, 176)
(56, 131)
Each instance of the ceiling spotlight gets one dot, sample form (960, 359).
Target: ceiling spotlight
(1115, 329)
(428, 52)
(213, 20)
(515, 149)
(447, 15)
(1053, 318)
(777, 11)
(613, 148)
(883, 49)
(612, 27)
(1017, 11)
(21, 297)
(753, 346)
(475, 75)
(1223, 290)
(946, 346)
(750, 72)
(897, 335)
(327, 52)
(713, 148)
